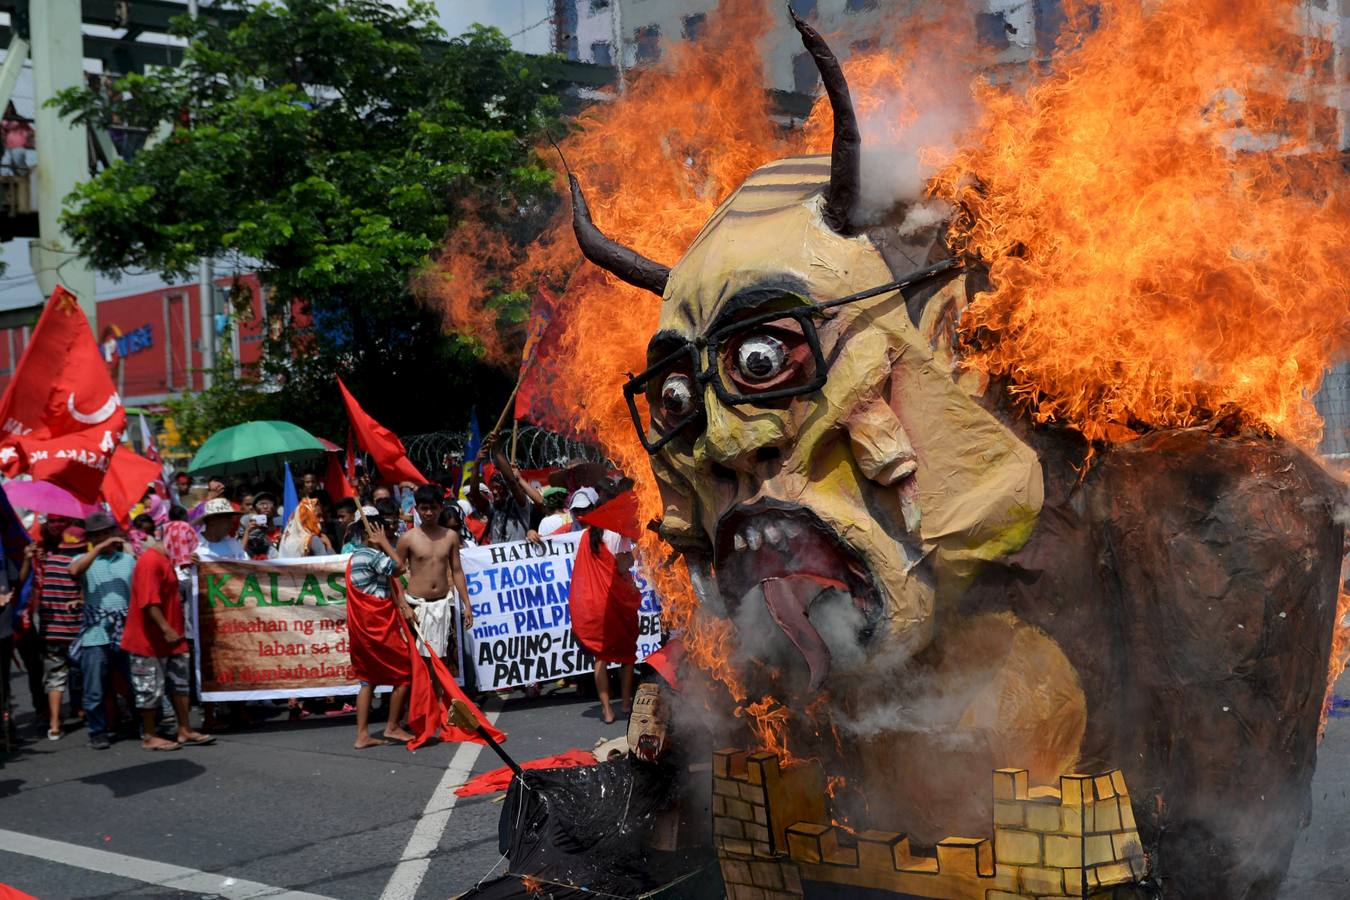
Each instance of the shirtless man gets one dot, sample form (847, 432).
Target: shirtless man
(431, 555)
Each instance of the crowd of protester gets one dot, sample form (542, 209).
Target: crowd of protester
(107, 616)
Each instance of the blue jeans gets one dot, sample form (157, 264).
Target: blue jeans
(99, 664)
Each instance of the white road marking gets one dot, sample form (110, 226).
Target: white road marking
(144, 870)
(426, 836)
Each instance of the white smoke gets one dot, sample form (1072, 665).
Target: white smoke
(915, 129)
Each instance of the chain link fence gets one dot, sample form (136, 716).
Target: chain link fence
(536, 448)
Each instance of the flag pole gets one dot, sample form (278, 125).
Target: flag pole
(460, 713)
(510, 402)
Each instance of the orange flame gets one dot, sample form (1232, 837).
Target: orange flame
(460, 281)
(1340, 654)
(1163, 227)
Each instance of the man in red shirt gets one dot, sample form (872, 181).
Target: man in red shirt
(153, 636)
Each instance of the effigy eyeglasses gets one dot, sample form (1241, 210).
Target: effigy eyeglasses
(767, 357)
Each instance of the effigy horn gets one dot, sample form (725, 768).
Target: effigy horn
(624, 263)
(846, 150)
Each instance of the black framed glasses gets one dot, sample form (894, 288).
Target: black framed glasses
(765, 358)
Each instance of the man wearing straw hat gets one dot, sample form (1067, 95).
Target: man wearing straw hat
(218, 528)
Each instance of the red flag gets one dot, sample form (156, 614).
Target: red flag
(384, 651)
(334, 481)
(75, 462)
(604, 604)
(129, 474)
(426, 712)
(381, 443)
(61, 417)
(500, 779)
(536, 359)
(379, 648)
(619, 514)
(667, 660)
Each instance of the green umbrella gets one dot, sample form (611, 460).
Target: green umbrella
(254, 447)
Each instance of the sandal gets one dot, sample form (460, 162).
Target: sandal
(53, 735)
(198, 742)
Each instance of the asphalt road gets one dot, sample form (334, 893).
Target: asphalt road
(292, 807)
(289, 804)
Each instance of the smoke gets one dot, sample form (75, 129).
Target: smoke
(897, 162)
(909, 699)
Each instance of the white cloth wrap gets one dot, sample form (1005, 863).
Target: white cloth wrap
(435, 617)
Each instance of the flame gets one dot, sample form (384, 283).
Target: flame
(1164, 227)
(476, 259)
(768, 719)
(1340, 655)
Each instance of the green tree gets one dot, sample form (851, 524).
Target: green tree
(329, 145)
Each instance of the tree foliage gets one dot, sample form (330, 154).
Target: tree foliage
(329, 145)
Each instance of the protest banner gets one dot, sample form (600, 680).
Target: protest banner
(521, 623)
(272, 629)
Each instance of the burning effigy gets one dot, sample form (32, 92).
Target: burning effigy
(1006, 568)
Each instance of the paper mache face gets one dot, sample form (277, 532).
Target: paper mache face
(852, 503)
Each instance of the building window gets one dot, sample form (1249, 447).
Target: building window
(566, 37)
(857, 6)
(600, 54)
(693, 26)
(804, 8)
(805, 75)
(992, 30)
(648, 40)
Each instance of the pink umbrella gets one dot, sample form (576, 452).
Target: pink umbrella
(44, 497)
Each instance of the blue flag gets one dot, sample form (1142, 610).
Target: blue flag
(290, 498)
(470, 449)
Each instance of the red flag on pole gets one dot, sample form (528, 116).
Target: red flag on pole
(536, 359)
(128, 476)
(382, 444)
(384, 651)
(61, 417)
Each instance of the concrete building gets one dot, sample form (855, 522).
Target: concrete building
(629, 33)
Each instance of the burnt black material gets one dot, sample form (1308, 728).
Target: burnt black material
(1190, 578)
(584, 831)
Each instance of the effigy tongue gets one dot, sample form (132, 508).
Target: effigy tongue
(789, 600)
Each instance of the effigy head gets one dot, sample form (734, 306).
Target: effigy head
(824, 472)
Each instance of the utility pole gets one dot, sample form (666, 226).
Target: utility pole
(62, 148)
(206, 301)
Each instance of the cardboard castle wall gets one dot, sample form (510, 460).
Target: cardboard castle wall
(772, 833)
